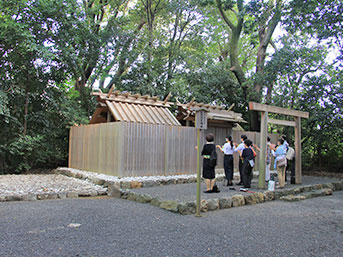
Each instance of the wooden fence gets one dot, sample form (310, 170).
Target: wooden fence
(135, 149)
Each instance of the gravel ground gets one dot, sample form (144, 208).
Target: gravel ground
(38, 184)
(187, 192)
(115, 227)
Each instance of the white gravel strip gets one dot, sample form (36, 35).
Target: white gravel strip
(93, 176)
(45, 184)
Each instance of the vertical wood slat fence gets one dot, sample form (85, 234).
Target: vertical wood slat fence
(134, 149)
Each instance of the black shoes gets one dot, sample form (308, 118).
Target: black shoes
(215, 189)
(239, 184)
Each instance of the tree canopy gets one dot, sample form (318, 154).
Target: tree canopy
(54, 53)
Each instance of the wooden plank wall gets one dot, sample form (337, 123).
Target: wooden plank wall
(134, 149)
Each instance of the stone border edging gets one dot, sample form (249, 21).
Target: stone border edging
(50, 196)
(187, 208)
(120, 188)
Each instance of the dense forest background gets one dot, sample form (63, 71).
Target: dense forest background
(53, 53)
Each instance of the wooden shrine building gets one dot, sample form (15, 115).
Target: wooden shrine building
(138, 135)
(126, 107)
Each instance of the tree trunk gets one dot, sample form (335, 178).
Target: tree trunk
(265, 33)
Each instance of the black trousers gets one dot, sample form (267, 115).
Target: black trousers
(247, 174)
(240, 168)
(228, 167)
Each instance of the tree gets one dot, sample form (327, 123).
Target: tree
(33, 120)
(261, 17)
(304, 81)
(319, 19)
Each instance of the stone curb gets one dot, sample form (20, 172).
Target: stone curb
(189, 208)
(307, 195)
(49, 196)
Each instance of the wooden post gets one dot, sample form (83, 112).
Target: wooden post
(298, 172)
(198, 197)
(297, 116)
(70, 146)
(263, 150)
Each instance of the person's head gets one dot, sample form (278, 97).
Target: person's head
(268, 139)
(228, 138)
(209, 137)
(248, 142)
(243, 138)
(280, 141)
(284, 137)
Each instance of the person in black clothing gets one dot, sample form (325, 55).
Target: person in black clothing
(208, 172)
(247, 156)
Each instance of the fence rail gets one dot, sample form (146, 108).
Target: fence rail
(135, 149)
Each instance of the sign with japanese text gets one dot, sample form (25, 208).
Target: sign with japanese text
(201, 119)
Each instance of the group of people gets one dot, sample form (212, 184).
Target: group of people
(247, 152)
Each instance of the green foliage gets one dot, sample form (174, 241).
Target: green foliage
(54, 52)
(320, 19)
(306, 82)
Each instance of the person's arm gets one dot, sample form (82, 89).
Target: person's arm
(272, 147)
(256, 147)
(238, 149)
(221, 148)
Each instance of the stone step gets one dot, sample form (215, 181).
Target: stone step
(307, 195)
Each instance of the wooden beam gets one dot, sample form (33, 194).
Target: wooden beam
(263, 150)
(297, 142)
(97, 111)
(230, 108)
(142, 101)
(111, 90)
(282, 122)
(253, 106)
(167, 98)
(126, 94)
(191, 102)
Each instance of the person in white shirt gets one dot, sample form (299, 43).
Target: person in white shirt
(240, 149)
(228, 149)
(285, 143)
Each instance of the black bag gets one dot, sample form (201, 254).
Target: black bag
(213, 158)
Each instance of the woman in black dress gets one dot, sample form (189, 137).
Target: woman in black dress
(208, 169)
(248, 162)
